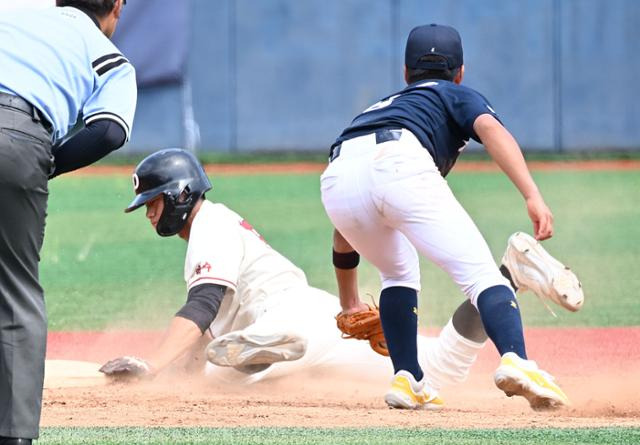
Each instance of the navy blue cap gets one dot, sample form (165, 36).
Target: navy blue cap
(439, 40)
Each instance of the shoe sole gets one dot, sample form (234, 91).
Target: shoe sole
(244, 350)
(563, 280)
(400, 401)
(396, 400)
(515, 383)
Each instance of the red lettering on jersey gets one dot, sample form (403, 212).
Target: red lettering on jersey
(245, 224)
(199, 268)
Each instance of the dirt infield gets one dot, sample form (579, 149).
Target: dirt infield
(314, 167)
(598, 368)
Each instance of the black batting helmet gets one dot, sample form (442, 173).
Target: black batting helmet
(179, 177)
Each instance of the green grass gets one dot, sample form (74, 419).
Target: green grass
(337, 436)
(103, 268)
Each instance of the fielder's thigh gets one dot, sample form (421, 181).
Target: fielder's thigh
(419, 203)
(347, 197)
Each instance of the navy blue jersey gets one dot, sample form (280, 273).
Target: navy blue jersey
(438, 112)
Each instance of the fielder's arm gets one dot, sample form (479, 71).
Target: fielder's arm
(345, 261)
(356, 320)
(504, 150)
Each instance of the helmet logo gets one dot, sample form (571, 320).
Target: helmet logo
(136, 182)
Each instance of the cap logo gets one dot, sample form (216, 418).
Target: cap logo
(136, 182)
(433, 50)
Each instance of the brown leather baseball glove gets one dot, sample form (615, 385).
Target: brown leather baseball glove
(364, 325)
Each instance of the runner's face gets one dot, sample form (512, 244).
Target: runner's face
(154, 210)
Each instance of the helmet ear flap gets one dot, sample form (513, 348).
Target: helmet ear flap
(177, 208)
(185, 196)
(174, 215)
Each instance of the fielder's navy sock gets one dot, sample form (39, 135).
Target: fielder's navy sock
(399, 316)
(501, 319)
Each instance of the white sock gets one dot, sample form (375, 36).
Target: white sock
(447, 360)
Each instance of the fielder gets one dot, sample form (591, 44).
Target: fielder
(57, 66)
(254, 308)
(385, 193)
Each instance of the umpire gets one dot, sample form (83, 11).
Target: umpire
(58, 65)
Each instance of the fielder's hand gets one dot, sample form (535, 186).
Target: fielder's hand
(541, 217)
(364, 325)
(127, 367)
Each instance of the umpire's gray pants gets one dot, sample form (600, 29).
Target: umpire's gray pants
(25, 164)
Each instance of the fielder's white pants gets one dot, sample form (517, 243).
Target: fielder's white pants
(309, 313)
(390, 202)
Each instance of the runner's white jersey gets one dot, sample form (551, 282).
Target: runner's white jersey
(225, 249)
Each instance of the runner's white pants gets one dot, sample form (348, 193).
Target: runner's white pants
(309, 313)
(390, 202)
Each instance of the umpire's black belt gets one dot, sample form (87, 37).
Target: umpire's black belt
(382, 135)
(18, 103)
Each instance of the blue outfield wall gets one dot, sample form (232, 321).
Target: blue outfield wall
(291, 74)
